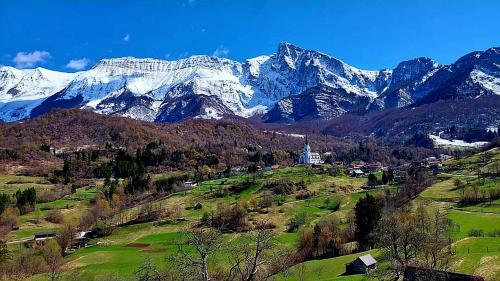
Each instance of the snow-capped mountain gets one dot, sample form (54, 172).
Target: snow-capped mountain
(290, 85)
(22, 90)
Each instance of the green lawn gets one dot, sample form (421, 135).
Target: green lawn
(478, 256)
(71, 207)
(326, 269)
(9, 184)
(473, 220)
(113, 257)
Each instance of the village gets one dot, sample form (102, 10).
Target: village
(370, 177)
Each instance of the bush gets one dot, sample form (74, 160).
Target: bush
(233, 218)
(303, 194)
(55, 216)
(494, 233)
(241, 186)
(284, 187)
(476, 233)
(9, 217)
(104, 228)
(296, 221)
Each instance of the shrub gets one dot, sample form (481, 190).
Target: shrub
(55, 216)
(284, 187)
(476, 233)
(9, 218)
(494, 233)
(241, 186)
(303, 194)
(296, 221)
(233, 218)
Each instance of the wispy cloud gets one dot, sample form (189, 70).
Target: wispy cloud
(126, 38)
(27, 60)
(167, 55)
(78, 64)
(183, 55)
(221, 51)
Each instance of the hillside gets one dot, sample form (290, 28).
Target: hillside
(329, 196)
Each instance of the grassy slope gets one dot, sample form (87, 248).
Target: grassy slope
(474, 255)
(9, 184)
(327, 269)
(113, 257)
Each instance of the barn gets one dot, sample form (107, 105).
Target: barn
(363, 264)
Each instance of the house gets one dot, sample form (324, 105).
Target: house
(238, 169)
(374, 167)
(357, 173)
(355, 166)
(444, 157)
(363, 264)
(190, 184)
(308, 157)
(41, 236)
(423, 274)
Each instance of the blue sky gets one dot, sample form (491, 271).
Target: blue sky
(70, 35)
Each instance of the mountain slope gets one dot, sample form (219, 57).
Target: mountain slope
(290, 85)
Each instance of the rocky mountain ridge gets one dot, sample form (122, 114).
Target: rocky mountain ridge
(293, 84)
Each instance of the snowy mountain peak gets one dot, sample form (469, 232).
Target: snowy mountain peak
(291, 84)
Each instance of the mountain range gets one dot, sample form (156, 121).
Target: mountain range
(291, 85)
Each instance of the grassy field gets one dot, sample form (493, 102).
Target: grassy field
(479, 256)
(71, 206)
(9, 184)
(112, 257)
(332, 269)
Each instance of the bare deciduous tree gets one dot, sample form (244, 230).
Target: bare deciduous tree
(256, 259)
(193, 265)
(419, 238)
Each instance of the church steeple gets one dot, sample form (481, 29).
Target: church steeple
(307, 148)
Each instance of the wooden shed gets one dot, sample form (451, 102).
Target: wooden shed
(363, 264)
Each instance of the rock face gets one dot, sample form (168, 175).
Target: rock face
(290, 85)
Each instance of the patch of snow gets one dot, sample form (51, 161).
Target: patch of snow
(286, 134)
(438, 141)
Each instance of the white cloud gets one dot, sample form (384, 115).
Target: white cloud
(78, 64)
(167, 55)
(126, 38)
(221, 51)
(27, 60)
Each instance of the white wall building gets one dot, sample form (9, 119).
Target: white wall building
(308, 157)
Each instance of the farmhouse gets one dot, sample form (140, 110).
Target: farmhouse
(41, 236)
(357, 173)
(363, 264)
(308, 157)
(190, 184)
(374, 167)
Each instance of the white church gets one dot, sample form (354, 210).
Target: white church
(308, 157)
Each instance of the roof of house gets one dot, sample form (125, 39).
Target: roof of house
(357, 171)
(368, 260)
